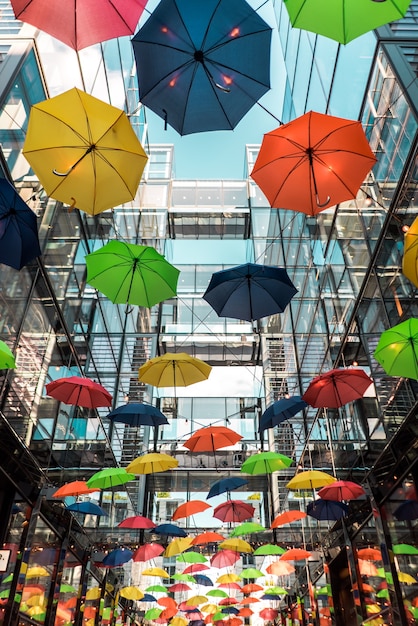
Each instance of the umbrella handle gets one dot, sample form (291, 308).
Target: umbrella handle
(322, 204)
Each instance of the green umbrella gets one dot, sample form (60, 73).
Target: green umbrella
(403, 548)
(64, 588)
(265, 463)
(246, 529)
(342, 20)
(251, 572)
(192, 557)
(131, 274)
(275, 591)
(383, 593)
(109, 477)
(8, 579)
(187, 578)
(217, 593)
(4, 594)
(218, 616)
(158, 588)
(268, 549)
(7, 360)
(153, 613)
(397, 349)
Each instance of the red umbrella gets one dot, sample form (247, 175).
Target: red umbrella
(269, 614)
(147, 552)
(227, 601)
(341, 490)
(179, 587)
(79, 391)
(233, 511)
(224, 558)
(75, 488)
(287, 517)
(195, 567)
(212, 438)
(245, 612)
(137, 521)
(230, 586)
(190, 508)
(81, 23)
(337, 387)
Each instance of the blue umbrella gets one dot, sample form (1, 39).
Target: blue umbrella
(170, 530)
(408, 510)
(138, 414)
(148, 598)
(327, 509)
(19, 242)
(225, 485)
(201, 579)
(88, 508)
(230, 610)
(280, 411)
(202, 65)
(117, 557)
(250, 291)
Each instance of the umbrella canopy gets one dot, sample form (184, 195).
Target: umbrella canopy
(177, 546)
(131, 274)
(280, 411)
(228, 578)
(192, 557)
(179, 588)
(311, 479)
(7, 359)
(207, 537)
(19, 242)
(174, 369)
(312, 163)
(250, 291)
(110, 477)
(341, 490)
(265, 463)
(87, 508)
(225, 485)
(147, 552)
(251, 572)
(410, 254)
(408, 510)
(233, 511)
(224, 558)
(79, 391)
(137, 521)
(247, 528)
(156, 571)
(343, 21)
(239, 545)
(269, 614)
(397, 349)
(131, 593)
(138, 414)
(171, 530)
(201, 66)
(117, 557)
(84, 151)
(189, 508)
(212, 438)
(295, 554)
(184, 577)
(287, 517)
(153, 613)
(403, 548)
(196, 567)
(369, 554)
(280, 568)
(75, 488)
(327, 509)
(81, 23)
(152, 463)
(268, 549)
(202, 579)
(337, 387)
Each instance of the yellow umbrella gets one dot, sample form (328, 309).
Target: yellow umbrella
(131, 593)
(177, 546)
(238, 545)
(84, 151)
(196, 600)
(94, 593)
(403, 577)
(311, 479)
(37, 572)
(179, 621)
(156, 571)
(410, 255)
(152, 463)
(174, 369)
(36, 611)
(228, 578)
(209, 608)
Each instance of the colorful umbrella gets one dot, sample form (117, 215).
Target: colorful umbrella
(147, 552)
(84, 151)
(312, 163)
(247, 528)
(410, 254)
(217, 593)
(327, 509)
(87, 508)
(171, 530)
(251, 572)
(196, 567)
(239, 545)
(265, 463)
(343, 21)
(397, 350)
(203, 580)
(407, 510)
(337, 387)
(268, 549)
(75, 488)
(212, 438)
(228, 578)
(131, 274)
(174, 369)
(177, 546)
(196, 600)
(179, 588)
(311, 479)
(156, 571)
(131, 593)
(224, 558)
(403, 548)
(192, 557)
(157, 589)
(287, 517)
(250, 292)
(406, 578)
(280, 411)
(117, 557)
(110, 477)
(369, 554)
(251, 588)
(137, 521)
(280, 568)
(153, 613)
(79, 391)
(189, 508)
(295, 554)
(207, 537)
(341, 490)
(138, 414)
(269, 614)
(152, 463)
(226, 485)
(233, 511)
(188, 578)
(202, 66)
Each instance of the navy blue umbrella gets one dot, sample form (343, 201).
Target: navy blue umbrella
(202, 65)
(170, 530)
(408, 510)
(148, 598)
(225, 485)
(280, 411)
(327, 509)
(201, 579)
(19, 242)
(230, 610)
(117, 557)
(88, 508)
(250, 291)
(138, 414)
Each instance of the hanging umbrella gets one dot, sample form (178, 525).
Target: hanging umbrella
(337, 387)
(79, 391)
(192, 557)
(177, 546)
(343, 21)
(312, 163)
(131, 274)
(203, 580)
(251, 572)
(174, 369)
(19, 242)
(225, 485)
(403, 548)
(224, 558)
(251, 588)
(189, 508)
(217, 593)
(287, 517)
(137, 521)
(369, 554)
(75, 488)
(201, 66)
(280, 568)
(295, 554)
(87, 508)
(265, 463)
(207, 537)
(117, 557)
(269, 614)
(196, 600)
(311, 479)
(233, 511)
(327, 509)
(406, 578)
(179, 621)
(148, 598)
(152, 463)
(341, 490)
(153, 613)
(397, 349)
(156, 571)
(81, 23)
(245, 612)
(247, 528)
(196, 567)
(250, 291)
(110, 477)
(84, 151)
(147, 552)
(171, 530)
(179, 588)
(410, 254)
(167, 602)
(239, 545)
(408, 510)
(228, 578)
(37, 571)
(138, 414)
(188, 578)
(131, 593)
(268, 549)
(230, 587)
(280, 411)
(157, 589)
(212, 438)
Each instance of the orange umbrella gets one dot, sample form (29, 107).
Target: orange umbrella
(245, 612)
(369, 554)
(287, 517)
(280, 568)
(212, 438)
(250, 599)
(190, 508)
(295, 554)
(207, 537)
(75, 488)
(312, 163)
(169, 603)
(251, 588)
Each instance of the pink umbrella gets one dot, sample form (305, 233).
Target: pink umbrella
(137, 521)
(224, 558)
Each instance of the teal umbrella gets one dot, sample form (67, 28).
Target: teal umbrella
(397, 349)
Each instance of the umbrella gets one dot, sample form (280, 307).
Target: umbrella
(177, 546)
(314, 162)
(196, 567)
(239, 545)
(265, 463)
(337, 387)
(408, 510)
(201, 66)
(295, 554)
(311, 479)
(403, 548)
(245, 612)
(327, 509)
(397, 349)
(79, 391)
(138, 414)
(343, 21)
(280, 411)
(341, 490)
(217, 593)
(207, 537)
(250, 291)
(184, 577)
(7, 359)
(87, 508)
(37, 572)
(192, 557)
(225, 485)
(170, 530)
(196, 600)
(84, 151)
(251, 588)
(179, 621)
(117, 557)
(247, 528)
(268, 549)
(269, 614)
(228, 578)
(251, 572)
(137, 521)
(148, 598)
(189, 508)
(157, 589)
(131, 274)
(212, 438)
(280, 568)
(147, 552)
(203, 580)
(410, 254)
(19, 242)
(75, 488)
(233, 511)
(369, 554)
(179, 588)
(152, 463)
(287, 517)
(224, 558)
(153, 613)
(81, 23)
(156, 571)
(131, 593)
(174, 369)
(406, 578)
(110, 477)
